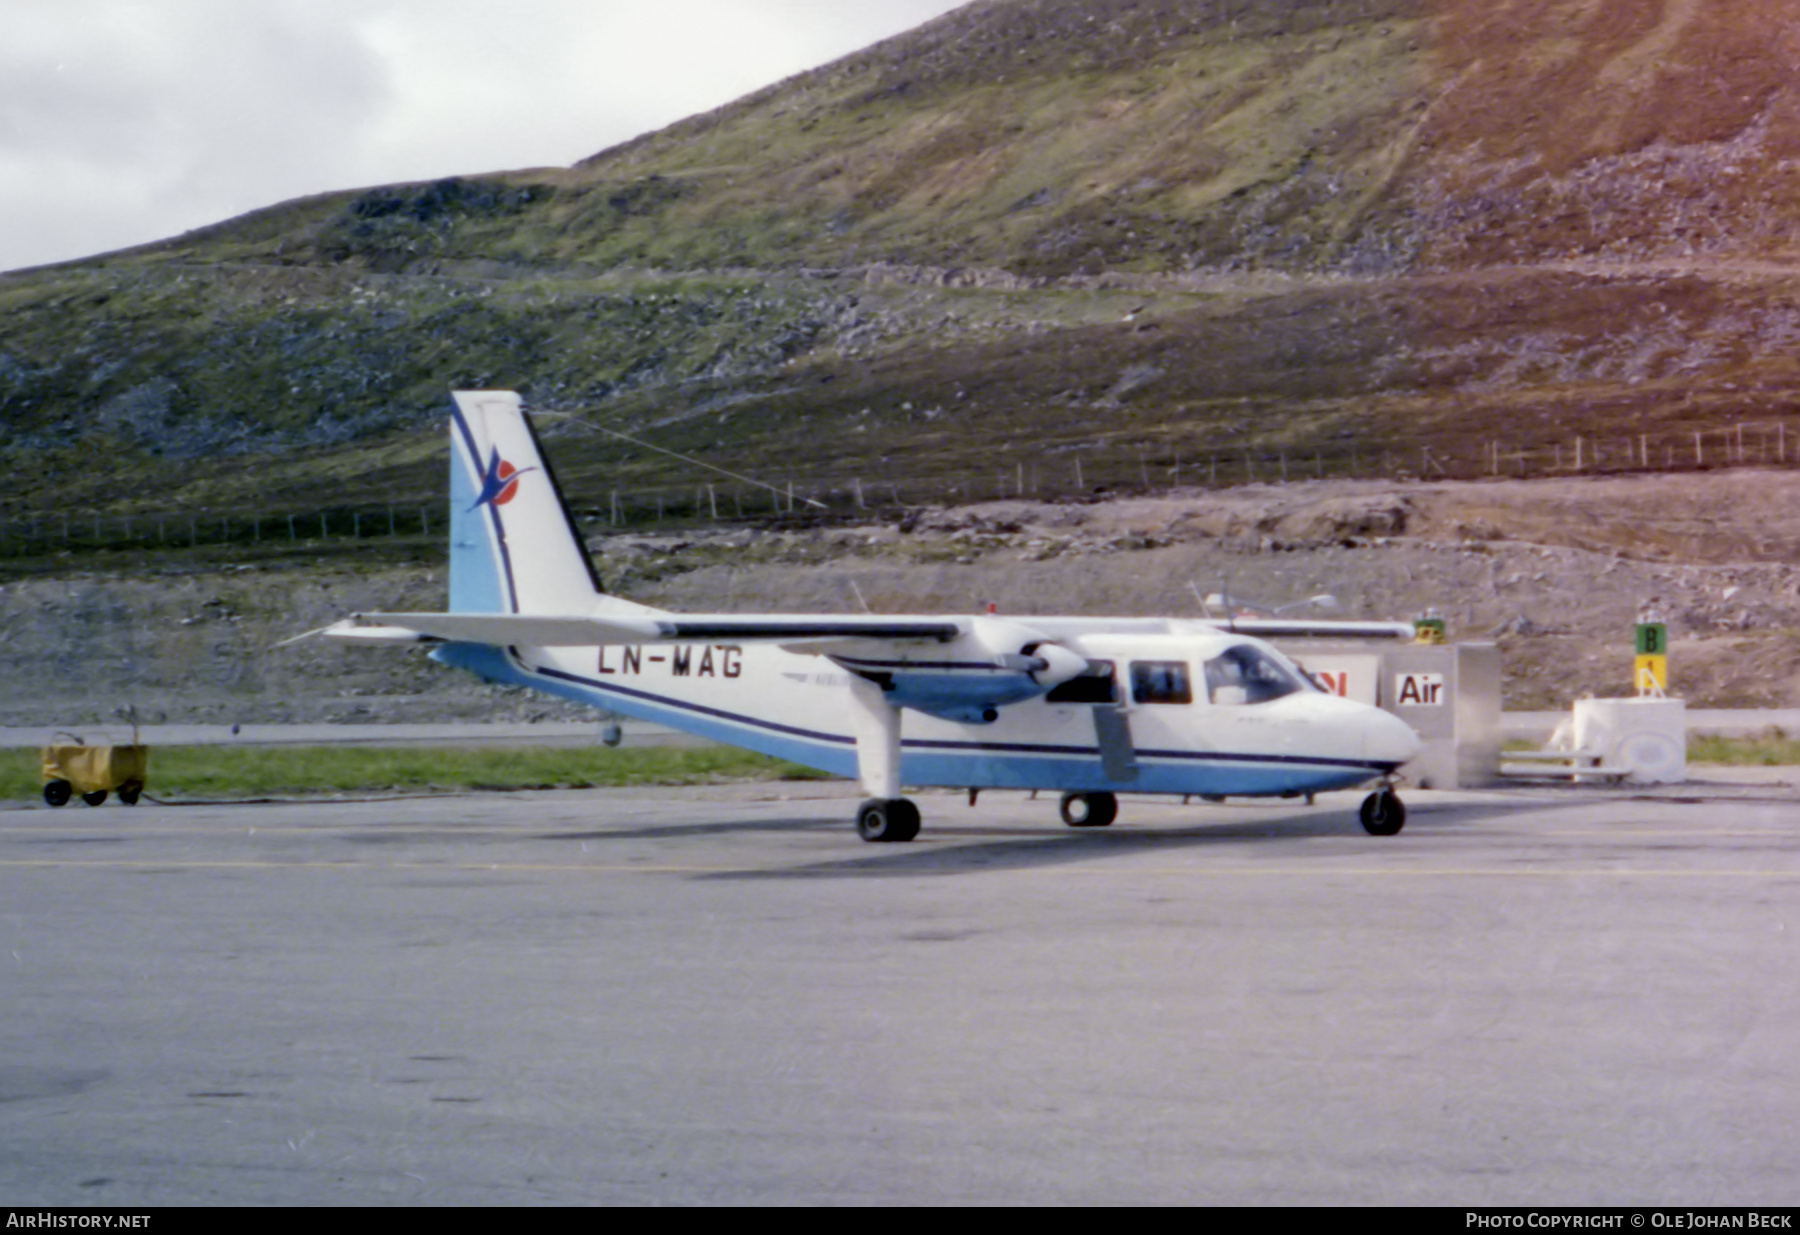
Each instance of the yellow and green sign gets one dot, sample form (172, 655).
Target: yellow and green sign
(1651, 671)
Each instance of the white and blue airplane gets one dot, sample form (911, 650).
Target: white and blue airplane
(1089, 707)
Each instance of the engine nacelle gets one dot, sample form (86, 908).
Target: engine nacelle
(970, 678)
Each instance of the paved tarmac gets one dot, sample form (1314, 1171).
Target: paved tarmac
(722, 996)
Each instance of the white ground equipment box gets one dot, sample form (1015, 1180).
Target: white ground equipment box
(1644, 738)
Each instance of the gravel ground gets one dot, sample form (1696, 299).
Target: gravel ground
(1555, 570)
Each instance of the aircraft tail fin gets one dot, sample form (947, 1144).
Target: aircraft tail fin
(514, 547)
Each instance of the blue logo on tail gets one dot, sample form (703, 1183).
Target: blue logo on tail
(501, 483)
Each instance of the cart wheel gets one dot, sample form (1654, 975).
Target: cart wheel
(95, 798)
(130, 791)
(56, 792)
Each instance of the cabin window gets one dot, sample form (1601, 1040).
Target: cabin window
(1161, 681)
(1249, 674)
(1093, 685)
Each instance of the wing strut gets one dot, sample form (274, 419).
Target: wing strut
(1112, 729)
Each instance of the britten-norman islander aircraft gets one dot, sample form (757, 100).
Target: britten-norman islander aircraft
(1090, 707)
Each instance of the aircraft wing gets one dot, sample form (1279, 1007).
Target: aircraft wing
(1297, 628)
(549, 631)
(1261, 628)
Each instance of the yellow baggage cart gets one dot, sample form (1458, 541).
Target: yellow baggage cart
(93, 771)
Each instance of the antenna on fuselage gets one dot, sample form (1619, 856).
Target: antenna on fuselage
(675, 454)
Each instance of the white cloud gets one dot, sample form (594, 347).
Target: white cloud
(125, 121)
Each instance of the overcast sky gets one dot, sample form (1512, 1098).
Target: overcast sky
(126, 121)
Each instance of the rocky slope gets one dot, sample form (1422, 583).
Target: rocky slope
(1141, 231)
(1047, 249)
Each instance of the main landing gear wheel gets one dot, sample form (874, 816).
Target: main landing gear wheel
(1089, 810)
(1383, 814)
(58, 792)
(887, 819)
(95, 798)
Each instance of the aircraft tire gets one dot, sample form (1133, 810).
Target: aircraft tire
(95, 798)
(887, 819)
(57, 792)
(1383, 814)
(1088, 810)
(130, 791)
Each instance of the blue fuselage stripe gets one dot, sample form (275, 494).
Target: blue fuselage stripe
(939, 761)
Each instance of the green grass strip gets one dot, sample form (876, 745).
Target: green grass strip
(264, 771)
(1772, 749)
(1767, 750)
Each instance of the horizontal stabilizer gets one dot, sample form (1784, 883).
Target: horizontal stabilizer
(367, 636)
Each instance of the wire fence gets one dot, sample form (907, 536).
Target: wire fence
(1067, 475)
(28, 535)
(1087, 474)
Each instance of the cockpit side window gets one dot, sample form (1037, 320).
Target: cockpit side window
(1247, 674)
(1093, 685)
(1161, 681)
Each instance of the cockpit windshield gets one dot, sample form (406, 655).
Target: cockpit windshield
(1249, 674)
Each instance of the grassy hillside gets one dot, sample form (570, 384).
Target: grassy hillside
(1056, 243)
